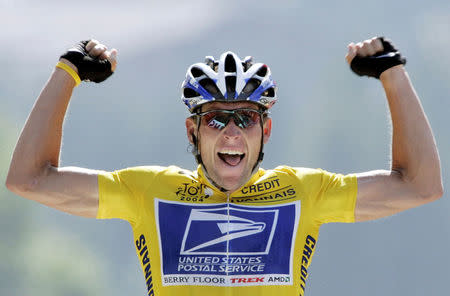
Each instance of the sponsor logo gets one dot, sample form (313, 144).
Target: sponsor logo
(209, 231)
(308, 249)
(281, 194)
(267, 191)
(193, 191)
(141, 246)
(272, 183)
(226, 244)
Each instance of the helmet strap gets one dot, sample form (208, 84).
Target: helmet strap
(261, 153)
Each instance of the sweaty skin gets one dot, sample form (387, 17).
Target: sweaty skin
(231, 139)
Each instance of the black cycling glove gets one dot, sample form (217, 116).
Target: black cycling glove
(373, 66)
(89, 68)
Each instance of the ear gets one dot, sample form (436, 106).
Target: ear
(191, 129)
(267, 129)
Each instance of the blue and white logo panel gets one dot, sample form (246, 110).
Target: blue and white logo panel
(226, 244)
(210, 231)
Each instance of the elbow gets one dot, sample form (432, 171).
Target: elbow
(11, 184)
(19, 186)
(437, 194)
(14, 187)
(426, 189)
(23, 182)
(434, 194)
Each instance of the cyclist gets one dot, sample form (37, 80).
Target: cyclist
(230, 227)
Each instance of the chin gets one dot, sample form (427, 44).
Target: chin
(233, 182)
(231, 177)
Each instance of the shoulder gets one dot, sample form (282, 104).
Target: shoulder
(298, 172)
(152, 170)
(308, 178)
(300, 177)
(145, 172)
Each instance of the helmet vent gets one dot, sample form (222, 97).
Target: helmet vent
(196, 72)
(270, 92)
(190, 93)
(262, 71)
(211, 87)
(251, 85)
(230, 81)
(247, 63)
(230, 64)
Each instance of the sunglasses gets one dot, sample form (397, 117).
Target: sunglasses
(243, 118)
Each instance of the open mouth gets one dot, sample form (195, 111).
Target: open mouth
(232, 158)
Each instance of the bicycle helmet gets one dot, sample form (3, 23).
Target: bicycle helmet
(228, 79)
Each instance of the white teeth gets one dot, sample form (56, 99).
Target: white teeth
(231, 152)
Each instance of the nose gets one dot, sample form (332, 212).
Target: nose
(232, 131)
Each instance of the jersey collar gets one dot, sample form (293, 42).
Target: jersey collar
(204, 180)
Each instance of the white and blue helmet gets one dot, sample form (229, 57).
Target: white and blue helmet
(228, 79)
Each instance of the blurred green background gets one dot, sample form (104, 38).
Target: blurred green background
(326, 117)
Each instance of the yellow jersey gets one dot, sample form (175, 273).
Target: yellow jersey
(193, 239)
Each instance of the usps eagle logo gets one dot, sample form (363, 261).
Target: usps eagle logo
(229, 231)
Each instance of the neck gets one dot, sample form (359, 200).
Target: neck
(223, 189)
(205, 171)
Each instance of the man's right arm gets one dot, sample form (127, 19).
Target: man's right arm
(34, 172)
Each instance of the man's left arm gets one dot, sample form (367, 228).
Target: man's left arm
(415, 175)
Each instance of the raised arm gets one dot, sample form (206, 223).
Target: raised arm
(415, 175)
(34, 172)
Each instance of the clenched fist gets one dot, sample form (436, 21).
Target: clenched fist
(373, 56)
(92, 60)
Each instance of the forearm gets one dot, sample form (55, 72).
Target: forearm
(39, 144)
(414, 151)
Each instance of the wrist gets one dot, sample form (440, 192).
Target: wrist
(392, 74)
(70, 70)
(69, 63)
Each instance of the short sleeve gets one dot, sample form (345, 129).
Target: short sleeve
(330, 197)
(121, 192)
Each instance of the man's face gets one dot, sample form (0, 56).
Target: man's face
(230, 153)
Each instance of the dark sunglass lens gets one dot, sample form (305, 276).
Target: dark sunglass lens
(247, 118)
(242, 117)
(207, 117)
(216, 120)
